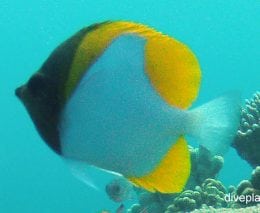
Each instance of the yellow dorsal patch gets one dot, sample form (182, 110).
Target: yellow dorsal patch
(172, 173)
(171, 67)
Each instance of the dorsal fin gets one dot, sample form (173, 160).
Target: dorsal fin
(173, 70)
(170, 65)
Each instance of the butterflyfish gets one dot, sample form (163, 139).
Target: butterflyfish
(119, 190)
(116, 96)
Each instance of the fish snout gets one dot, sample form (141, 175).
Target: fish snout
(19, 91)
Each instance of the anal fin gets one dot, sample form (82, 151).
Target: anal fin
(172, 173)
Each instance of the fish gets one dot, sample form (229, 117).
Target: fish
(117, 96)
(119, 190)
(120, 209)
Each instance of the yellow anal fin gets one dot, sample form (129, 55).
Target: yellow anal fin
(172, 173)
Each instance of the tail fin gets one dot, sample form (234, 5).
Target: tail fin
(215, 123)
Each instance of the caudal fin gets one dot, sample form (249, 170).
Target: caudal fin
(215, 123)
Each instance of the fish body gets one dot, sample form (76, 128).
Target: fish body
(115, 96)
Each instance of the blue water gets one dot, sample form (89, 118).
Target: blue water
(224, 35)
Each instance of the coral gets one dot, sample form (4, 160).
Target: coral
(255, 178)
(243, 186)
(206, 209)
(149, 202)
(250, 187)
(247, 140)
(186, 201)
(210, 196)
(203, 166)
(211, 193)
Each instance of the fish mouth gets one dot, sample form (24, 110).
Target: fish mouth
(19, 92)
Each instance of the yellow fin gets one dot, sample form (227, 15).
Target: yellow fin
(173, 70)
(172, 173)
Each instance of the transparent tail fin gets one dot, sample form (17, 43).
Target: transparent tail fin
(215, 123)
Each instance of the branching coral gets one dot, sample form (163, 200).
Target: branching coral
(250, 187)
(186, 201)
(210, 196)
(203, 166)
(247, 141)
(255, 178)
(211, 193)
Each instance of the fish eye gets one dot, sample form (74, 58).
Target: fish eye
(36, 83)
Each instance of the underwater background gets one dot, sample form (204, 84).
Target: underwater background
(224, 35)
